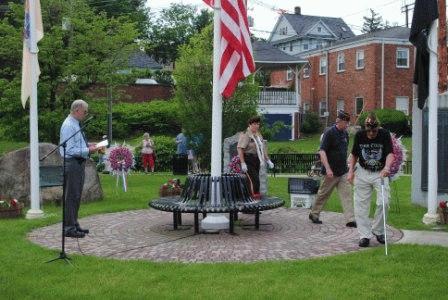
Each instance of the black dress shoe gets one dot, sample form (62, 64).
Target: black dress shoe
(364, 242)
(75, 234)
(86, 231)
(314, 219)
(351, 224)
(380, 238)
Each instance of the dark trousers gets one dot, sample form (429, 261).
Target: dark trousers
(253, 171)
(74, 182)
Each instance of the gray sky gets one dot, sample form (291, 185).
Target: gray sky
(265, 12)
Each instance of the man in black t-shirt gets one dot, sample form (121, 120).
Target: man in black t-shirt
(372, 149)
(333, 155)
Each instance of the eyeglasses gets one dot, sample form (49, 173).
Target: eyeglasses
(373, 130)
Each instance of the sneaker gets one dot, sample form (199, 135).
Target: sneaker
(380, 238)
(314, 219)
(364, 242)
(75, 234)
(351, 224)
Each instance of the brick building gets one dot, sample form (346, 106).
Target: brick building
(361, 73)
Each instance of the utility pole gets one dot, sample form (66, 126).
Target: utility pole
(406, 9)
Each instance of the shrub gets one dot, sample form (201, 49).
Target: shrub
(270, 131)
(393, 120)
(165, 148)
(130, 119)
(310, 123)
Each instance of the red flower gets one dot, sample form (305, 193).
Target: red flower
(443, 204)
(14, 202)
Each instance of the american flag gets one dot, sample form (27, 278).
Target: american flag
(236, 49)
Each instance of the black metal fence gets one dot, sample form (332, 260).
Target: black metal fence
(301, 163)
(294, 162)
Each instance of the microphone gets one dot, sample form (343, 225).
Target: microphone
(87, 120)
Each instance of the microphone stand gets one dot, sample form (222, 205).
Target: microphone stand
(63, 254)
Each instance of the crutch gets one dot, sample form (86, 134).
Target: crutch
(384, 214)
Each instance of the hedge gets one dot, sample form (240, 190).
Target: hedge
(393, 120)
(157, 117)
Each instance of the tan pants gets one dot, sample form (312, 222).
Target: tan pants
(345, 194)
(365, 182)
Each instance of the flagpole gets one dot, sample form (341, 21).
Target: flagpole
(433, 104)
(215, 222)
(35, 211)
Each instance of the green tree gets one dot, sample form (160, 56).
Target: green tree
(372, 23)
(173, 28)
(91, 50)
(193, 75)
(135, 10)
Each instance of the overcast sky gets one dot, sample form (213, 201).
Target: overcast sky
(265, 12)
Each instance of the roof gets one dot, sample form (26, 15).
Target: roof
(266, 55)
(397, 33)
(143, 61)
(303, 23)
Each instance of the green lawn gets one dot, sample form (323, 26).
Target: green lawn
(6, 146)
(408, 271)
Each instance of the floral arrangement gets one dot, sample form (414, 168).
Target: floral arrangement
(171, 188)
(399, 157)
(8, 204)
(10, 208)
(443, 212)
(121, 159)
(235, 164)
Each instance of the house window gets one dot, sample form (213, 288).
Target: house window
(360, 59)
(359, 104)
(284, 47)
(306, 72)
(283, 31)
(402, 58)
(290, 47)
(319, 29)
(322, 108)
(305, 46)
(323, 66)
(306, 107)
(402, 104)
(289, 75)
(340, 105)
(341, 62)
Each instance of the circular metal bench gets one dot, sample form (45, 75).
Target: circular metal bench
(234, 198)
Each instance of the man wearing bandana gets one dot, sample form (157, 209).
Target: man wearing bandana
(369, 163)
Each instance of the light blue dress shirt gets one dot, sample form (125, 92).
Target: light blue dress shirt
(181, 141)
(77, 145)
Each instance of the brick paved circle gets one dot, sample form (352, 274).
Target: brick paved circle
(148, 234)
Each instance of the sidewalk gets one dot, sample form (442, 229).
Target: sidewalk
(424, 238)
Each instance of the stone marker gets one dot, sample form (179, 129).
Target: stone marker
(15, 176)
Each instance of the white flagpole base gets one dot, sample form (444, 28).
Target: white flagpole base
(215, 222)
(430, 219)
(34, 214)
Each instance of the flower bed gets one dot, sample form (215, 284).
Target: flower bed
(10, 208)
(443, 212)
